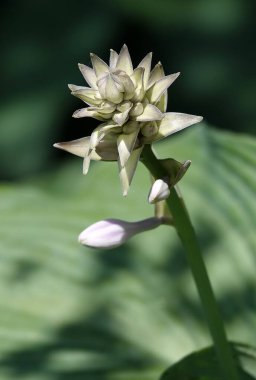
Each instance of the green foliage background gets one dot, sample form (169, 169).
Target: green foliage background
(67, 312)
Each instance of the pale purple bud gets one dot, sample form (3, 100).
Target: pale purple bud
(110, 233)
(159, 191)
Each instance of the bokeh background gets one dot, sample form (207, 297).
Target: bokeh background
(212, 44)
(71, 313)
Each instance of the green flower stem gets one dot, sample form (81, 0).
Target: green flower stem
(188, 238)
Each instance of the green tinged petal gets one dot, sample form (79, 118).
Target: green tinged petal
(121, 118)
(104, 110)
(99, 66)
(105, 150)
(137, 77)
(171, 123)
(156, 91)
(86, 163)
(87, 94)
(150, 113)
(111, 91)
(73, 87)
(156, 74)
(162, 103)
(126, 173)
(113, 59)
(88, 74)
(137, 109)
(78, 147)
(124, 61)
(146, 64)
(125, 145)
(126, 84)
(87, 112)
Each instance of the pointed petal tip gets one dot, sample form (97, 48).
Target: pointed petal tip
(176, 74)
(75, 114)
(85, 169)
(196, 119)
(71, 87)
(57, 145)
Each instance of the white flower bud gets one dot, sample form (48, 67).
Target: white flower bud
(110, 233)
(159, 191)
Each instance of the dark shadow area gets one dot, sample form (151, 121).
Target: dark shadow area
(90, 336)
(106, 351)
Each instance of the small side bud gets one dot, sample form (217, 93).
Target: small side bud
(111, 233)
(159, 191)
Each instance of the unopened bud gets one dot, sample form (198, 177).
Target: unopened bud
(110, 233)
(159, 191)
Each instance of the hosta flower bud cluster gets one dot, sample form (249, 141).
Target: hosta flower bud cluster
(131, 105)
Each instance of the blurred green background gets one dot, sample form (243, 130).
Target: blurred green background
(211, 42)
(71, 313)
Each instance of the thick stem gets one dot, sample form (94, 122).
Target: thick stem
(189, 240)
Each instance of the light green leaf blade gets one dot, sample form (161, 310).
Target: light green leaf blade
(68, 312)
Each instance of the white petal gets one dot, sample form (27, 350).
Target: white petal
(99, 66)
(104, 110)
(78, 147)
(162, 103)
(155, 92)
(159, 191)
(124, 61)
(124, 106)
(99, 134)
(105, 150)
(113, 59)
(88, 74)
(137, 109)
(137, 77)
(86, 164)
(88, 95)
(111, 233)
(85, 112)
(156, 74)
(73, 87)
(121, 117)
(126, 84)
(146, 64)
(109, 128)
(126, 173)
(150, 113)
(125, 145)
(173, 122)
(111, 92)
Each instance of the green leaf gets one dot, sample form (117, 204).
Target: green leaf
(68, 312)
(203, 365)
